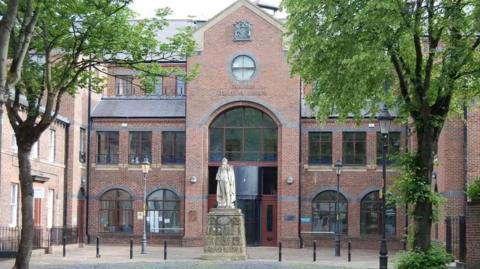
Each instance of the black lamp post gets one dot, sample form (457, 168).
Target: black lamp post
(338, 171)
(145, 169)
(385, 119)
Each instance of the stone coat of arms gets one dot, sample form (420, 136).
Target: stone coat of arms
(243, 31)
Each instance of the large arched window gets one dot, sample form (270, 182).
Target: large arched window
(243, 134)
(163, 207)
(371, 218)
(323, 212)
(116, 212)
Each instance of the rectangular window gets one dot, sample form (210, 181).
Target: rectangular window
(83, 143)
(320, 148)
(34, 151)
(50, 207)
(354, 148)
(158, 86)
(393, 147)
(52, 145)
(107, 147)
(173, 148)
(140, 147)
(123, 85)
(14, 144)
(14, 205)
(180, 86)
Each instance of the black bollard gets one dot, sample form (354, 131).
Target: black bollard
(165, 250)
(314, 250)
(64, 243)
(349, 250)
(280, 251)
(98, 247)
(131, 249)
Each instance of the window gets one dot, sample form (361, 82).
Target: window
(14, 144)
(140, 147)
(123, 85)
(52, 145)
(116, 212)
(173, 147)
(393, 147)
(107, 147)
(83, 148)
(370, 215)
(243, 134)
(34, 151)
(14, 205)
(180, 86)
(320, 148)
(354, 148)
(50, 207)
(323, 212)
(163, 211)
(158, 86)
(243, 68)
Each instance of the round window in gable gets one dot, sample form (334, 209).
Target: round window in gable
(243, 68)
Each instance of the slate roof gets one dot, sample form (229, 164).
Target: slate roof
(140, 107)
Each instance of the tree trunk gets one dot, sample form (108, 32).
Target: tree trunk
(26, 185)
(427, 137)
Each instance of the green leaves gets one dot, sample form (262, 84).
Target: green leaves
(349, 48)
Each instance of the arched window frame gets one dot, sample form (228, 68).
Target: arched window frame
(371, 218)
(116, 213)
(160, 210)
(323, 212)
(240, 125)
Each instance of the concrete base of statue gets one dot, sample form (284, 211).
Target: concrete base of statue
(225, 238)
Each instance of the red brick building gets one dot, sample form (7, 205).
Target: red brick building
(244, 105)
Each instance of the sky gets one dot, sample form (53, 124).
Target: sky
(183, 9)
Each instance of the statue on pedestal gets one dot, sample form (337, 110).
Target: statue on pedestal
(225, 185)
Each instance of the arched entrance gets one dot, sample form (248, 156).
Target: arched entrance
(248, 138)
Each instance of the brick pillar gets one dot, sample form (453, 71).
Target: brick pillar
(473, 234)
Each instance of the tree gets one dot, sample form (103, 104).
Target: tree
(428, 49)
(57, 43)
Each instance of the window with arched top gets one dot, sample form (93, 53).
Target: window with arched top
(163, 212)
(323, 212)
(371, 215)
(243, 134)
(116, 211)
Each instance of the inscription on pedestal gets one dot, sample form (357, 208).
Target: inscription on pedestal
(225, 238)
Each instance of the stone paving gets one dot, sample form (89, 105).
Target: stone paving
(259, 257)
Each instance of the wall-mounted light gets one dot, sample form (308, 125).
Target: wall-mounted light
(289, 180)
(193, 179)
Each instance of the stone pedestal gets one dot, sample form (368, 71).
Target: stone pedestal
(225, 238)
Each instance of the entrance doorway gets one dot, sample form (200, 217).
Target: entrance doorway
(257, 198)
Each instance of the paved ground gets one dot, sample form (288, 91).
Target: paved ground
(259, 257)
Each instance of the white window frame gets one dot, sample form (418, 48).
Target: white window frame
(14, 205)
(34, 151)
(52, 145)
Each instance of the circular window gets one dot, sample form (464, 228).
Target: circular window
(243, 68)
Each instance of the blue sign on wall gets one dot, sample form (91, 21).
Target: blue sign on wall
(305, 220)
(289, 217)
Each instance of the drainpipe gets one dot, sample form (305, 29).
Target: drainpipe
(407, 135)
(300, 168)
(465, 156)
(89, 130)
(65, 180)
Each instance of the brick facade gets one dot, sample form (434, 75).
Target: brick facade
(473, 234)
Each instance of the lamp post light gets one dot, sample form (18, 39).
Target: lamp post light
(338, 171)
(145, 169)
(385, 119)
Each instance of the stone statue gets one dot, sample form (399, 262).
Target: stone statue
(225, 185)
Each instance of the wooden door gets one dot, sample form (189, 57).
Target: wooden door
(37, 211)
(269, 220)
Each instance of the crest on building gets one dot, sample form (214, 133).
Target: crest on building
(243, 31)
